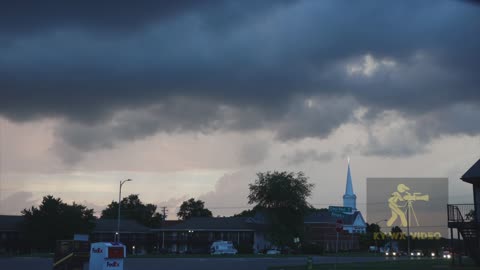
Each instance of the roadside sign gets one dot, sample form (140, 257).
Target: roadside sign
(339, 211)
(339, 226)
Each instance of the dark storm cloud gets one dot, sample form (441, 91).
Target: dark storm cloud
(194, 65)
(27, 17)
(115, 17)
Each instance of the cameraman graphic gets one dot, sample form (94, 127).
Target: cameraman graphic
(396, 211)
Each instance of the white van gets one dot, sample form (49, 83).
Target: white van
(222, 247)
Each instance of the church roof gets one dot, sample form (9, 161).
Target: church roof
(349, 187)
(473, 174)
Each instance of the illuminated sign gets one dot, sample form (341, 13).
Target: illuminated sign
(417, 205)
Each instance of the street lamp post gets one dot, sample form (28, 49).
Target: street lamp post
(119, 206)
(376, 223)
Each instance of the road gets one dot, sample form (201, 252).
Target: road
(29, 263)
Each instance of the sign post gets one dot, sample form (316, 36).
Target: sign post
(339, 229)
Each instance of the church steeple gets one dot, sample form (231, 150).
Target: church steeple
(349, 198)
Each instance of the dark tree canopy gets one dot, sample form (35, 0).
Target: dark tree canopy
(134, 208)
(250, 212)
(281, 190)
(396, 229)
(283, 196)
(373, 228)
(193, 208)
(55, 220)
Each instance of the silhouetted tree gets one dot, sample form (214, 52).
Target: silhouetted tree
(250, 212)
(373, 228)
(55, 220)
(193, 208)
(396, 229)
(134, 208)
(283, 195)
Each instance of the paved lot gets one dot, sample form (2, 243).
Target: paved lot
(27, 263)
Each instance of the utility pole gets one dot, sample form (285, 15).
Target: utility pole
(408, 231)
(164, 211)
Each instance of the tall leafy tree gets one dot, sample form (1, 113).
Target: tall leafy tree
(134, 208)
(193, 208)
(55, 220)
(283, 195)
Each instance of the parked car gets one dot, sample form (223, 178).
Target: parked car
(417, 253)
(447, 254)
(223, 247)
(392, 253)
(273, 252)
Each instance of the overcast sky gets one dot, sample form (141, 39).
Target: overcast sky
(192, 98)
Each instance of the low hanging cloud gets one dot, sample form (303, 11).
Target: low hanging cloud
(296, 68)
(311, 155)
(14, 203)
(230, 194)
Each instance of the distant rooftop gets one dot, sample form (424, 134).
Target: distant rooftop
(10, 223)
(212, 224)
(473, 174)
(126, 226)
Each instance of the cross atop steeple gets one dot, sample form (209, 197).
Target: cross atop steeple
(349, 198)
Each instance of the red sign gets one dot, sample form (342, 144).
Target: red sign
(115, 252)
(339, 225)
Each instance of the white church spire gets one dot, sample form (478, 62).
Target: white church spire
(349, 198)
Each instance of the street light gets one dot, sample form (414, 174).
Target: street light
(119, 204)
(376, 223)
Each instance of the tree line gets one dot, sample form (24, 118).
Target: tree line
(281, 197)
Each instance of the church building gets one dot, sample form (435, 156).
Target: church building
(320, 226)
(356, 223)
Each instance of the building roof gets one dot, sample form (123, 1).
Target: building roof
(14, 223)
(473, 174)
(213, 224)
(10, 223)
(327, 217)
(126, 226)
(169, 223)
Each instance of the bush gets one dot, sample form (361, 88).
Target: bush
(312, 248)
